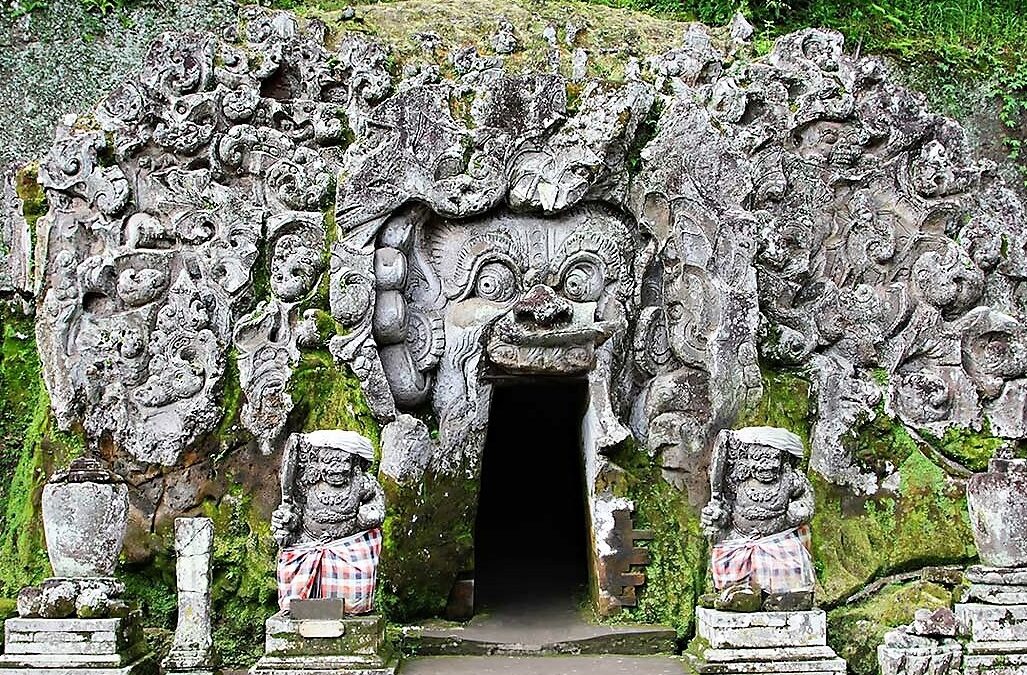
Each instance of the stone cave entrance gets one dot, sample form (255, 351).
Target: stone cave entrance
(531, 534)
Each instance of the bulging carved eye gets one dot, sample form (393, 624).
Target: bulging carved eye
(583, 282)
(495, 282)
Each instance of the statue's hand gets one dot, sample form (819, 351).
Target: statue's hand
(284, 521)
(713, 516)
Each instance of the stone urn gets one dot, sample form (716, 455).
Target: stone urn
(997, 501)
(85, 513)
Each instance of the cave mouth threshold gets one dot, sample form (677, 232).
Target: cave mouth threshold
(531, 532)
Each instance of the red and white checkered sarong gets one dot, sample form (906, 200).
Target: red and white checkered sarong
(345, 568)
(777, 563)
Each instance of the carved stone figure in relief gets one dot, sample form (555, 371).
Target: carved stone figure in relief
(329, 520)
(758, 520)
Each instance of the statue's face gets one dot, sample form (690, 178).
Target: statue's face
(766, 463)
(331, 466)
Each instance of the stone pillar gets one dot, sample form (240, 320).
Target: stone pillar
(994, 608)
(995, 616)
(192, 648)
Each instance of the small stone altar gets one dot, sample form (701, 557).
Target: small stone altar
(328, 528)
(761, 619)
(994, 611)
(76, 621)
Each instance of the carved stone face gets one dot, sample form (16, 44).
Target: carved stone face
(328, 465)
(758, 462)
(295, 267)
(543, 286)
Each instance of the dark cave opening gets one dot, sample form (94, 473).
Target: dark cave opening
(531, 532)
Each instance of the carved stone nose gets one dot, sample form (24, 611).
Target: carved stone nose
(543, 306)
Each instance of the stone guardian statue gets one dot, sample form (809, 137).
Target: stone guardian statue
(328, 524)
(758, 521)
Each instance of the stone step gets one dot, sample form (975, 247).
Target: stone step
(590, 640)
(543, 665)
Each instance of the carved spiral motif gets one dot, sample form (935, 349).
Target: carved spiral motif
(495, 282)
(583, 281)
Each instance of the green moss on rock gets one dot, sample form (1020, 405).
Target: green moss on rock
(429, 540)
(856, 540)
(969, 448)
(328, 396)
(855, 631)
(243, 588)
(785, 403)
(676, 573)
(32, 448)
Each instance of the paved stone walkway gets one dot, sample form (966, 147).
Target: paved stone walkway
(542, 665)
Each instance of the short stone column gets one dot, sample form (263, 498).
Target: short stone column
(192, 648)
(994, 608)
(77, 621)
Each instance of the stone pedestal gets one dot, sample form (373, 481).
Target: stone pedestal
(113, 646)
(995, 618)
(354, 645)
(751, 643)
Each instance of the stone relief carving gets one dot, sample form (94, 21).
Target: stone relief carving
(658, 238)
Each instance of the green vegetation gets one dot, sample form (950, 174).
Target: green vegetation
(676, 574)
(30, 449)
(969, 448)
(428, 540)
(856, 539)
(855, 630)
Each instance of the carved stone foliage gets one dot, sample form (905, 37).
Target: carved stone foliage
(190, 224)
(657, 237)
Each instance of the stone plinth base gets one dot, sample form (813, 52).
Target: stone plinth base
(79, 646)
(996, 621)
(354, 645)
(932, 657)
(750, 643)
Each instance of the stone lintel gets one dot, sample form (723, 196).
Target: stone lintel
(30, 664)
(997, 594)
(18, 625)
(994, 664)
(359, 635)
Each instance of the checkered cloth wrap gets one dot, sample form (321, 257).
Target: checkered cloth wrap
(777, 563)
(345, 568)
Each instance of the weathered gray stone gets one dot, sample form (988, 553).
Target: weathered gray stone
(76, 646)
(85, 513)
(997, 501)
(904, 653)
(760, 630)
(996, 595)
(192, 647)
(658, 238)
(994, 623)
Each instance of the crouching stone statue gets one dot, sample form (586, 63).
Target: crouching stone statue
(758, 521)
(329, 519)
(328, 528)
